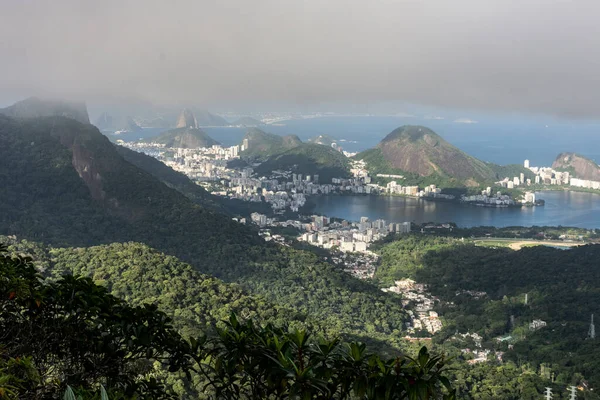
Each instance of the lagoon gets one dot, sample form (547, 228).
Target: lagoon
(565, 208)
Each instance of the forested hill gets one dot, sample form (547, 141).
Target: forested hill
(262, 145)
(483, 290)
(308, 159)
(65, 183)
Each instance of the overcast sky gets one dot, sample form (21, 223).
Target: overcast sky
(494, 55)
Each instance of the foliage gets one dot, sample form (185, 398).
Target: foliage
(72, 332)
(483, 290)
(249, 362)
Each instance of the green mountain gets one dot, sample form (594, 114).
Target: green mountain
(65, 183)
(107, 122)
(578, 165)
(420, 153)
(247, 122)
(187, 138)
(261, 145)
(308, 159)
(36, 107)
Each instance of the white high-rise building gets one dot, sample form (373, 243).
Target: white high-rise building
(526, 163)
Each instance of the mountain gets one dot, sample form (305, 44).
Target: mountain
(579, 166)
(107, 122)
(308, 159)
(205, 118)
(247, 122)
(187, 138)
(35, 107)
(419, 151)
(187, 120)
(65, 183)
(325, 140)
(261, 145)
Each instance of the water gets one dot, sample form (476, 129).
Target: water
(562, 208)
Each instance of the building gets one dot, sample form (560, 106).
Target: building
(526, 164)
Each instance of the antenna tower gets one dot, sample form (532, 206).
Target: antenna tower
(592, 331)
(573, 394)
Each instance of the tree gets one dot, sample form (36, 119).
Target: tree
(73, 332)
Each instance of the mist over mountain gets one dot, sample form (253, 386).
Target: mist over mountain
(107, 122)
(33, 107)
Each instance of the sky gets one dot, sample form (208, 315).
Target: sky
(525, 56)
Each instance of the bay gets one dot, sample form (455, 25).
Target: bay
(565, 208)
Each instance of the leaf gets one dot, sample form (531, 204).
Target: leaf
(69, 395)
(103, 394)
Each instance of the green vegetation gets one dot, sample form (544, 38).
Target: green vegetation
(253, 362)
(72, 332)
(308, 159)
(262, 145)
(91, 339)
(187, 138)
(562, 290)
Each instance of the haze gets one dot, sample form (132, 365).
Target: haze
(535, 56)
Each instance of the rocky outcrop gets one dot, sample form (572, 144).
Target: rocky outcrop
(579, 166)
(187, 120)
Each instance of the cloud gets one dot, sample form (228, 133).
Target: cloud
(498, 55)
(435, 117)
(465, 121)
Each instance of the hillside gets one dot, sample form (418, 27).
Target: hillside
(261, 144)
(187, 138)
(35, 107)
(107, 122)
(65, 183)
(578, 165)
(418, 151)
(247, 122)
(308, 159)
(561, 287)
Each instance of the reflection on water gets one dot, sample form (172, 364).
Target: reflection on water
(562, 208)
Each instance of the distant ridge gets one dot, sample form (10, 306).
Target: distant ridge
(247, 122)
(107, 122)
(34, 107)
(186, 138)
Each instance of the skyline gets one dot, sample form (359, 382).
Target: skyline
(491, 57)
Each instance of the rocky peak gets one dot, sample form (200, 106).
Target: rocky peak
(187, 119)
